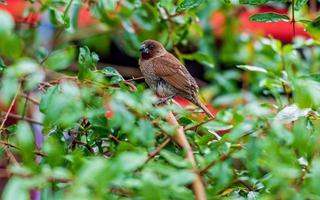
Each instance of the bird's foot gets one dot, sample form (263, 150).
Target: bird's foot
(164, 100)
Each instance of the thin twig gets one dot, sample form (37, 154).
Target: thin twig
(25, 106)
(114, 138)
(85, 145)
(7, 144)
(293, 20)
(181, 139)
(223, 157)
(9, 109)
(195, 127)
(157, 150)
(30, 98)
(135, 79)
(9, 154)
(54, 40)
(27, 119)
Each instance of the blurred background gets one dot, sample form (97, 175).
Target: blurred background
(236, 60)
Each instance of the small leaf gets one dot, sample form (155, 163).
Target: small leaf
(2, 66)
(298, 4)
(174, 159)
(3, 2)
(314, 26)
(268, 17)
(200, 57)
(87, 61)
(24, 136)
(112, 74)
(188, 4)
(15, 184)
(290, 113)
(56, 17)
(253, 2)
(131, 161)
(252, 68)
(314, 77)
(182, 177)
(60, 59)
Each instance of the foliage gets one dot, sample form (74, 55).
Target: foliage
(272, 124)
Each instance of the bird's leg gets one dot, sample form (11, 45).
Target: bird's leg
(164, 100)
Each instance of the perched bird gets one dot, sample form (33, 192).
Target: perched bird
(166, 75)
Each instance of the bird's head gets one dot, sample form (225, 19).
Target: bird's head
(151, 48)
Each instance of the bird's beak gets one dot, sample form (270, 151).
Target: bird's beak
(144, 49)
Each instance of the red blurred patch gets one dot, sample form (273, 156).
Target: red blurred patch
(16, 9)
(278, 30)
(109, 114)
(4, 109)
(184, 103)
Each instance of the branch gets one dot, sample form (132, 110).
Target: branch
(30, 98)
(157, 150)
(293, 21)
(181, 140)
(223, 157)
(32, 121)
(9, 154)
(7, 144)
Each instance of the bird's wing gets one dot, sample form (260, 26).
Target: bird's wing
(171, 70)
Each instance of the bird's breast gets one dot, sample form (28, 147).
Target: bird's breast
(148, 73)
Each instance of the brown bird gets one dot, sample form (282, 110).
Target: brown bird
(166, 75)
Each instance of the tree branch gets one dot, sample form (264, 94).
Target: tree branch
(181, 139)
(32, 121)
(157, 150)
(9, 154)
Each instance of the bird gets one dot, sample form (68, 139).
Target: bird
(167, 76)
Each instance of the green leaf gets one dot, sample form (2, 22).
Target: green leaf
(11, 45)
(2, 65)
(167, 4)
(3, 2)
(181, 177)
(46, 97)
(188, 4)
(112, 74)
(174, 159)
(315, 77)
(56, 17)
(6, 22)
(298, 4)
(200, 57)
(144, 133)
(253, 68)
(268, 17)
(8, 88)
(87, 60)
(60, 59)
(131, 161)
(306, 93)
(314, 26)
(253, 2)
(71, 14)
(16, 184)
(25, 140)
(62, 106)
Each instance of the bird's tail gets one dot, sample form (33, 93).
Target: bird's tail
(196, 101)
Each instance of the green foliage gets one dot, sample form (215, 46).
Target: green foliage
(268, 17)
(104, 137)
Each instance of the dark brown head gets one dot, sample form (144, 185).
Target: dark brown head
(151, 48)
